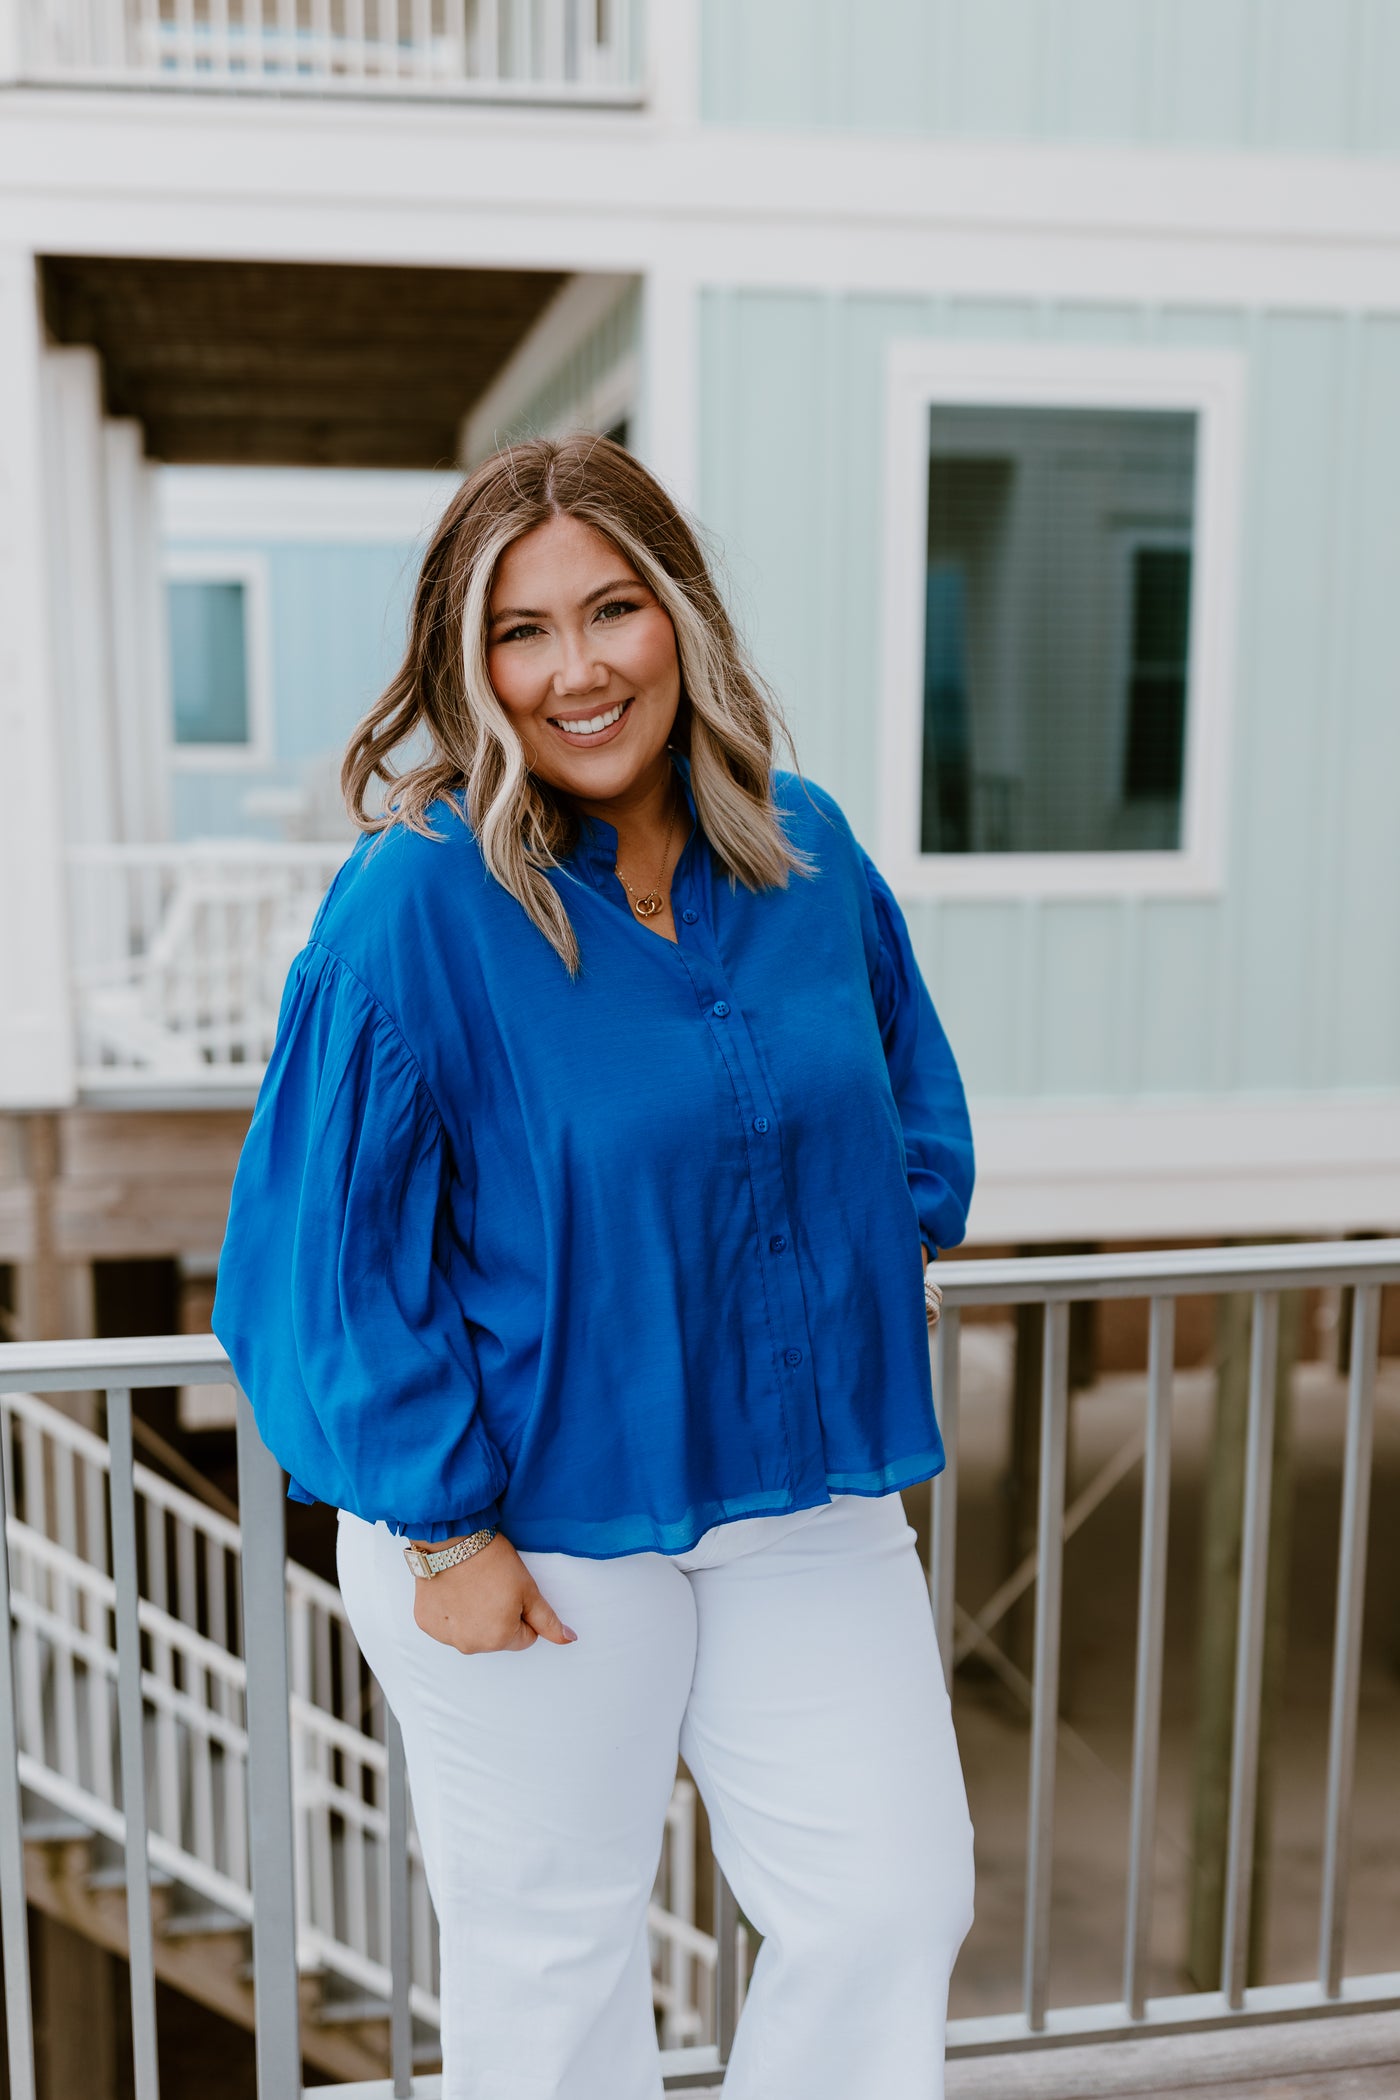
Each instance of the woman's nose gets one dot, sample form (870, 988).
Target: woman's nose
(578, 670)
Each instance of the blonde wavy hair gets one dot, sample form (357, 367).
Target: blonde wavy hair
(728, 723)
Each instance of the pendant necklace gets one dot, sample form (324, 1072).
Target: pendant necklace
(649, 904)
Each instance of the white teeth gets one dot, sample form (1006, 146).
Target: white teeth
(591, 728)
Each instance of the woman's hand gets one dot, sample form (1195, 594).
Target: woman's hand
(487, 1602)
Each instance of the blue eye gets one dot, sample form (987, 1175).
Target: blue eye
(615, 605)
(513, 634)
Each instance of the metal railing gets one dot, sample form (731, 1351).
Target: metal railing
(69, 1532)
(583, 51)
(1054, 1284)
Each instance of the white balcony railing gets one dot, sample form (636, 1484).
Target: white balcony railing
(268, 1734)
(179, 958)
(507, 50)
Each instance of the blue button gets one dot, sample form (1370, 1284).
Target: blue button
(760, 1124)
(690, 916)
(720, 1007)
(792, 1356)
(777, 1243)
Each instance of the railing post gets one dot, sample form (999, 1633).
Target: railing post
(1151, 1630)
(14, 1910)
(400, 1949)
(270, 1822)
(131, 1734)
(1249, 1648)
(943, 1539)
(1054, 1424)
(1346, 1650)
(726, 1965)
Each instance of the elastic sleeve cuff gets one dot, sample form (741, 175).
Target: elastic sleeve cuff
(432, 1531)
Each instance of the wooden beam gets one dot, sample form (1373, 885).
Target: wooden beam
(293, 364)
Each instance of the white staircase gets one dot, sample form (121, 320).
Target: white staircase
(193, 1686)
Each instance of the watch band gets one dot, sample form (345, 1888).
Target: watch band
(933, 1300)
(428, 1564)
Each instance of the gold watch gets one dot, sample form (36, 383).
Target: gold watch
(429, 1564)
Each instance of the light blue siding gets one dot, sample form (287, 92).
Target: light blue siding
(337, 618)
(1287, 980)
(1314, 75)
(1358, 950)
(1081, 983)
(980, 985)
(1172, 1048)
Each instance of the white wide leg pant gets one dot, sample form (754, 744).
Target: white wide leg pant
(792, 1660)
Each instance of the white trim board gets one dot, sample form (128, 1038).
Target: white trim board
(1207, 384)
(208, 175)
(309, 505)
(1089, 1170)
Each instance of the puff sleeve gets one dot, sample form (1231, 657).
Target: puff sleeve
(335, 1297)
(927, 1088)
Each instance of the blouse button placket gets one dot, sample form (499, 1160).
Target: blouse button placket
(782, 1298)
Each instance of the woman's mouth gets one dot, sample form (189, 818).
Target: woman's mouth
(591, 729)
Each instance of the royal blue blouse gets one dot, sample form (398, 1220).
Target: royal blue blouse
(604, 1261)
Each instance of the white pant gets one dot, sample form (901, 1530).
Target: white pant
(792, 1660)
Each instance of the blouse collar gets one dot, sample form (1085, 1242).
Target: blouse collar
(597, 841)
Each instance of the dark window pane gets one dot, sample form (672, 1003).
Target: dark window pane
(1156, 736)
(209, 663)
(1156, 741)
(1161, 604)
(1057, 613)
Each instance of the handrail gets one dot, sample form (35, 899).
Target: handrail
(276, 1698)
(146, 1360)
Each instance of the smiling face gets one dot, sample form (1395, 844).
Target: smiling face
(583, 658)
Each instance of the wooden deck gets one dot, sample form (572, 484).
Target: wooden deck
(1349, 2057)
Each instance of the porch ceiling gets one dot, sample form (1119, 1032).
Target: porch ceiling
(290, 364)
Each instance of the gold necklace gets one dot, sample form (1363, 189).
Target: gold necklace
(646, 907)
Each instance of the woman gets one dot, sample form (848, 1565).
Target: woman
(574, 1256)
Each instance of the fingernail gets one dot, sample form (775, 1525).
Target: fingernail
(569, 1631)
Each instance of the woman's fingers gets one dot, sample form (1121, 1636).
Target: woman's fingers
(546, 1620)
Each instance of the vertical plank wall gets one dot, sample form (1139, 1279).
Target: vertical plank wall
(1281, 982)
(1273, 75)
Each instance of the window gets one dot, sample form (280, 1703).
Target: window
(217, 660)
(209, 662)
(1028, 605)
(1058, 588)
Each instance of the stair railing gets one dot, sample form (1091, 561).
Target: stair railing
(189, 1586)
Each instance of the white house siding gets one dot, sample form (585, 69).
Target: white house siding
(1272, 75)
(1281, 986)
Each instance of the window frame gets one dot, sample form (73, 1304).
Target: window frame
(1208, 384)
(210, 565)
